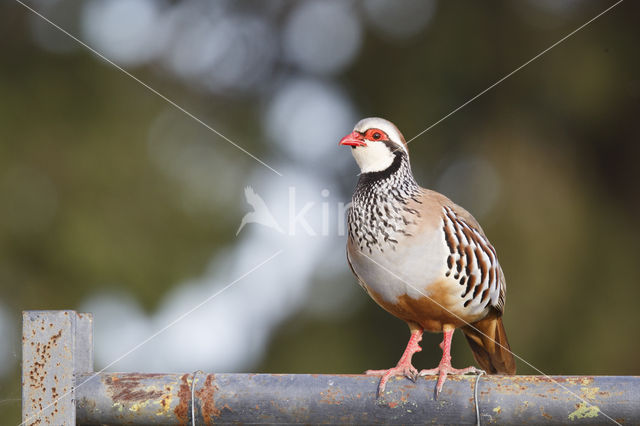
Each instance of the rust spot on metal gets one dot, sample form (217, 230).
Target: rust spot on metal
(127, 388)
(206, 395)
(331, 397)
(184, 400)
(54, 338)
(545, 414)
(572, 380)
(38, 373)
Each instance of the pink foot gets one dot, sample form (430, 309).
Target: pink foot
(408, 371)
(445, 367)
(404, 367)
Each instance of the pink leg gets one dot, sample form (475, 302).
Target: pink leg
(445, 367)
(404, 367)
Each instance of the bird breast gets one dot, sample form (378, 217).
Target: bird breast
(405, 264)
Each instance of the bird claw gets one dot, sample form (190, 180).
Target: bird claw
(443, 370)
(436, 371)
(408, 371)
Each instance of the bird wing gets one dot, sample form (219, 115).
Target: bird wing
(472, 259)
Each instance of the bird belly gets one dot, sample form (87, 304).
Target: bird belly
(411, 284)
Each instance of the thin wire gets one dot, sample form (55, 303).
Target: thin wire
(475, 396)
(516, 70)
(194, 376)
(136, 347)
(488, 337)
(151, 89)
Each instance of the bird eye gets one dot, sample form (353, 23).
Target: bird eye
(375, 135)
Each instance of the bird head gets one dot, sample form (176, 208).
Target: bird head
(375, 143)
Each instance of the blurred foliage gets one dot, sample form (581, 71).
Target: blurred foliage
(563, 135)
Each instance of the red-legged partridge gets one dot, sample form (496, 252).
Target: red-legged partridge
(422, 258)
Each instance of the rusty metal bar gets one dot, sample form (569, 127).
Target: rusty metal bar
(58, 387)
(117, 398)
(55, 346)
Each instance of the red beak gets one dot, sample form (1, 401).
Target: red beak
(353, 139)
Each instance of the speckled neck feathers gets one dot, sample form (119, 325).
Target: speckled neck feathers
(379, 213)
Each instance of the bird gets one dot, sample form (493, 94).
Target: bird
(422, 258)
(260, 214)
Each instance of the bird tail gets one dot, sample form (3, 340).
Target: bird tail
(490, 347)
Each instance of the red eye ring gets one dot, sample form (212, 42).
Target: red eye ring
(375, 135)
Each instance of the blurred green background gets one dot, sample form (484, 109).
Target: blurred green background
(113, 201)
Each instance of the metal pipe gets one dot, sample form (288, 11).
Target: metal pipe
(117, 398)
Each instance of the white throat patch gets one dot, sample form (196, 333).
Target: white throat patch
(374, 157)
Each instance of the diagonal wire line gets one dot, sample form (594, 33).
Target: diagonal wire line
(516, 70)
(488, 337)
(145, 85)
(157, 333)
